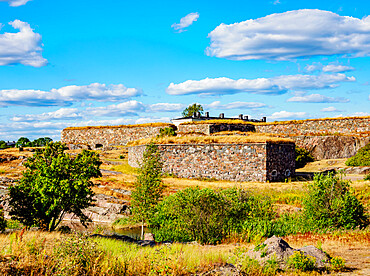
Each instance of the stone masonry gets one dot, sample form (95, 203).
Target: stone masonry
(260, 162)
(347, 126)
(209, 129)
(95, 137)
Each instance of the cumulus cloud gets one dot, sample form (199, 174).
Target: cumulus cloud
(330, 109)
(67, 95)
(129, 108)
(23, 47)
(60, 114)
(317, 98)
(337, 68)
(235, 105)
(186, 21)
(166, 107)
(16, 3)
(291, 35)
(272, 86)
(287, 115)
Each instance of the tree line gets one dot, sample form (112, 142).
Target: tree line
(25, 142)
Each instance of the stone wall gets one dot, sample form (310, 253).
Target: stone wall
(108, 136)
(208, 129)
(234, 162)
(347, 126)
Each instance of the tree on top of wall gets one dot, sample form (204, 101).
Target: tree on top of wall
(191, 109)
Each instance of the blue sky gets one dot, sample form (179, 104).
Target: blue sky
(74, 63)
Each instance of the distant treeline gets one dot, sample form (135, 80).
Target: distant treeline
(25, 142)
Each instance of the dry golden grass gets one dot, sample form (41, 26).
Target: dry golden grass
(122, 126)
(251, 138)
(322, 165)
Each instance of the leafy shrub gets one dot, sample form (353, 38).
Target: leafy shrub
(167, 131)
(54, 184)
(362, 157)
(208, 216)
(302, 157)
(300, 261)
(2, 220)
(337, 263)
(330, 202)
(367, 177)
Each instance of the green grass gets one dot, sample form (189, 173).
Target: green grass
(125, 168)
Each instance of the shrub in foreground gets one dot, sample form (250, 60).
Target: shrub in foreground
(54, 184)
(362, 157)
(209, 216)
(330, 202)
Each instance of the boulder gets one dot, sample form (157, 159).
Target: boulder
(280, 250)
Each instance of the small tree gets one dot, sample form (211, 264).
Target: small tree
(191, 109)
(302, 157)
(54, 184)
(330, 202)
(148, 186)
(23, 142)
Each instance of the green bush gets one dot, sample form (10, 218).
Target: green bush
(337, 263)
(209, 216)
(2, 220)
(302, 157)
(330, 202)
(367, 177)
(299, 261)
(167, 131)
(362, 157)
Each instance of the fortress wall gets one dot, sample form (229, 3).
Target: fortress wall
(347, 126)
(233, 162)
(214, 128)
(108, 136)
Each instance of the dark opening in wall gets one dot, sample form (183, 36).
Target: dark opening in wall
(98, 146)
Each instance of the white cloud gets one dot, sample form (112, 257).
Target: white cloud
(330, 109)
(67, 95)
(16, 3)
(337, 68)
(186, 21)
(272, 86)
(60, 114)
(129, 108)
(166, 107)
(235, 105)
(317, 98)
(287, 115)
(23, 47)
(312, 67)
(290, 35)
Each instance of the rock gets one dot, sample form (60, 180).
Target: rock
(225, 270)
(148, 237)
(279, 249)
(357, 170)
(319, 255)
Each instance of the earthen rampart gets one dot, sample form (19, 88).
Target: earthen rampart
(234, 162)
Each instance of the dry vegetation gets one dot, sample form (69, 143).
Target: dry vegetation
(235, 139)
(34, 252)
